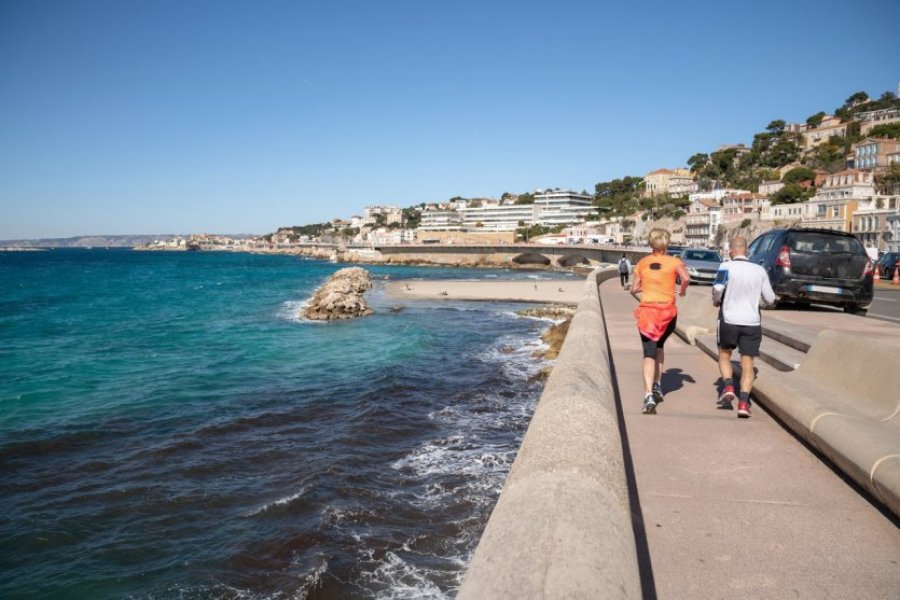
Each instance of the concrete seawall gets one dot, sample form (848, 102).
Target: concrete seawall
(562, 527)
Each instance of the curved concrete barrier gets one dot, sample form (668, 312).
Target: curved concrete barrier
(833, 401)
(696, 315)
(562, 526)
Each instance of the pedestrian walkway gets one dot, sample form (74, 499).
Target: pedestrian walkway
(738, 508)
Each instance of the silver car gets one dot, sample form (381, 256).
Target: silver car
(701, 264)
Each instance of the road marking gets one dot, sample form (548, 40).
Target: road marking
(880, 299)
(871, 314)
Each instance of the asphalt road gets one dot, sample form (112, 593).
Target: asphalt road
(886, 305)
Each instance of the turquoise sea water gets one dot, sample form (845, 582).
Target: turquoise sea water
(170, 428)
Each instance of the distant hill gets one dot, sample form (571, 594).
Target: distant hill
(88, 241)
(101, 241)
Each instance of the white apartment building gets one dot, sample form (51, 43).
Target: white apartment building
(440, 220)
(870, 221)
(498, 218)
(391, 237)
(849, 183)
(563, 208)
(716, 195)
(783, 212)
(702, 222)
(892, 232)
(549, 209)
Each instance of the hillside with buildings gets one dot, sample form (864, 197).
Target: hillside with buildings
(837, 171)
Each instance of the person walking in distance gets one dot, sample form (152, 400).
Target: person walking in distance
(624, 270)
(655, 277)
(738, 288)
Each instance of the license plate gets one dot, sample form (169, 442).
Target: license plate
(824, 289)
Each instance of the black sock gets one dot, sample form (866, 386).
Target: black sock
(728, 382)
(745, 397)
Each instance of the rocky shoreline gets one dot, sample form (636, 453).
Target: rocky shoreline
(341, 297)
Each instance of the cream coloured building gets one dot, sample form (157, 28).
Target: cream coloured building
(873, 118)
(816, 136)
(737, 207)
(875, 153)
(831, 213)
(656, 182)
(767, 188)
(682, 185)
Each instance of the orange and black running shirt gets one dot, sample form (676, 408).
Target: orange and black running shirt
(657, 273)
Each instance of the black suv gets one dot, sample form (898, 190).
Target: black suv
(819, 266)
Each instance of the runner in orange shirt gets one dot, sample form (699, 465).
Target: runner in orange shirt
(655, 277)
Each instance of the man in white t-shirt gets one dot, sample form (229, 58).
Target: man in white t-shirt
(738, 289)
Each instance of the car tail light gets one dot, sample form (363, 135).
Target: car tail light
(784, 257)
(870, 269)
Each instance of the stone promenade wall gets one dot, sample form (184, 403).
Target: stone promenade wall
(562, 526)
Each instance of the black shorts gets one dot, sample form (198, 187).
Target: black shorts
(744, 337)
(650, 346)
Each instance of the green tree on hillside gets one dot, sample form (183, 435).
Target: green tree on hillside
(888, 130)
(860, 102)
(791, 193)
(816, 119)
(798, 175)
(619, 196)
(698, 161)
(776, 127)
(856, 98)
(411, 218)
(829, 156)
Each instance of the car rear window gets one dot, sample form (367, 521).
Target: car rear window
(822, 242)
(701, 255)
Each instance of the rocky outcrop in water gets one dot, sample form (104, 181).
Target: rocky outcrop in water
(341, 297)
(554, 311)
(554, 338)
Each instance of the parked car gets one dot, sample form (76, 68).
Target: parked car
(887, 263)
(701, 264)
(674, 250)
(816, 266)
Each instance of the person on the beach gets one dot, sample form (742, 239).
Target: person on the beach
(655, 277)
(624, 270)
(737, 291)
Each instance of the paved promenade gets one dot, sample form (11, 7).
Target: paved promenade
(738, 508)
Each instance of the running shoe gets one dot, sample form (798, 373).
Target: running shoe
(743, 410)
(657, 393)
(649, 405)
(726, 397)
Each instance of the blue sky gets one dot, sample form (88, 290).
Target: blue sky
(221, 116)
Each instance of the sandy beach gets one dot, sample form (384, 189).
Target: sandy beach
(556, 292)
